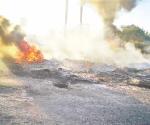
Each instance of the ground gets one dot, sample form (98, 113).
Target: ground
(74, 93)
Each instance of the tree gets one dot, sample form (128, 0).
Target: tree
(133, 33)
(136, 35)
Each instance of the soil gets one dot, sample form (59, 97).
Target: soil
(74, 93)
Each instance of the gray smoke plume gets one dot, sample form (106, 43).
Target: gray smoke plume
(9, 33)
(109, 8)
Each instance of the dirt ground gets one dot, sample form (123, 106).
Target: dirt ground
(74, 93)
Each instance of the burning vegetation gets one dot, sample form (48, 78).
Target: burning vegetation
(13, 45)
(97, 78)
(29, 53)
(106, 45)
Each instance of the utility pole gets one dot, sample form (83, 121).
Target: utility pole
(81, 14)
(66, 13)
(82, 3)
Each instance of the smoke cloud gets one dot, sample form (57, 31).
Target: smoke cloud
(81, 43)
(10, 36)
(108, 8)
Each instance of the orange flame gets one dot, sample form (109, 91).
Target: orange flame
(29, 54)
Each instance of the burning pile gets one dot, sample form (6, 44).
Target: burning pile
(29, 54)
(12, 41)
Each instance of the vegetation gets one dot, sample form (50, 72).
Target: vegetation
(133, 33)
(136, 35)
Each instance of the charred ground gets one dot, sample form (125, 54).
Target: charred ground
(74, 92)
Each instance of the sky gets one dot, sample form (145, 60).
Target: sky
(38, 15)
(139, 16)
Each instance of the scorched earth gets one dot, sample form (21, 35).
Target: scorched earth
(74, 93)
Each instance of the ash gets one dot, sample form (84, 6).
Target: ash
(75, 93)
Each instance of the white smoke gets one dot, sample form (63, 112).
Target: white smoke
(82, 43)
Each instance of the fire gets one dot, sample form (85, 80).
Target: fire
(29, 53)
(13, 46)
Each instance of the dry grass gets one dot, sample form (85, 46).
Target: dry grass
(9, 82)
